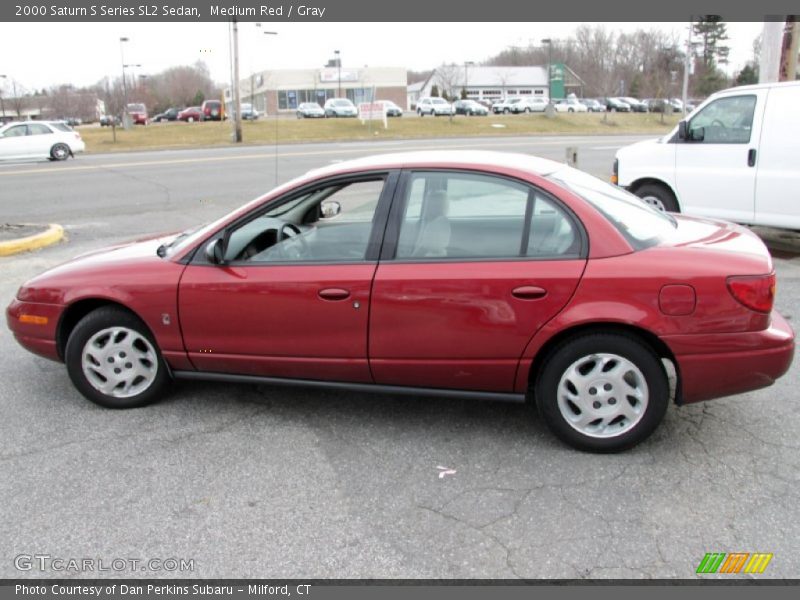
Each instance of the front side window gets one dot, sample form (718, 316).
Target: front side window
(724, 121)
(454, 215)
(329, 224)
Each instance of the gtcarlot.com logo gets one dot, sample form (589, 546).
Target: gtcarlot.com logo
(734, 562)
(46, 562)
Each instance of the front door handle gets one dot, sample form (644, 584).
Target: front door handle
(529, 292)
(751, 157)
(334, 294)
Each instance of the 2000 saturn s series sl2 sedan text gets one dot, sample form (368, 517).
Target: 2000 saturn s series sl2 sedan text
(471, 274)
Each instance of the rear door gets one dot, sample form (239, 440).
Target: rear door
(778, 174)
(715, 173)
(472, 266)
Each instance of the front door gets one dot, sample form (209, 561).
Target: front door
(715, 172)
(292, 299)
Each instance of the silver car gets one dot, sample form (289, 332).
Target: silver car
(53, 140)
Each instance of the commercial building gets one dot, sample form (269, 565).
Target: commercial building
(285, 89)
(495, 83)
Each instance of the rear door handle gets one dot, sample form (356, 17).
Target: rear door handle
(334, 294)
(529, 292)
(751, 157)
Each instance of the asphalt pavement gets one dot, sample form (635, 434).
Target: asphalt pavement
(259, 481)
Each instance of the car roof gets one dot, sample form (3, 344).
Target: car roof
(32, 122)
(485, 159)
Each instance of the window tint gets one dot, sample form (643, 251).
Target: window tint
(16, 131)
(329, 224)
(38, 129)
(724, 121)
(467, 216)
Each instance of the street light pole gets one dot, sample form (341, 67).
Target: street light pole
(339, 66)
(2, 105)
(466, 77)
(549, 43)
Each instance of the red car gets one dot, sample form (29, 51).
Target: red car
(483, 275)
(191, 114)
(138, 113)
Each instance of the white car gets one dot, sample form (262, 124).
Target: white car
(340, 107)
(570, 105)
(505, 106)
(733, 158)
(53, 140)
(527, 105)
(434, 107)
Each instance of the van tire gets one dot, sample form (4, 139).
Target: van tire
(658, 196)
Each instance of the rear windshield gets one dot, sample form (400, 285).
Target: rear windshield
(642, 225)
(61, 126)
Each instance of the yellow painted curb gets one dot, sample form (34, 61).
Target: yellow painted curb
(54, 233)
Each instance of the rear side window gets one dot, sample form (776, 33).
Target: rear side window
(640, 224)
(456, 215)
(61, 127)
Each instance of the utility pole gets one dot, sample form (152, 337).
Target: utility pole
(2, 106)
(791, 35)
(687, 65)
(237, 105)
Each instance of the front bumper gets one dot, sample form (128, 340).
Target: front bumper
(38, 335)
(723, 364)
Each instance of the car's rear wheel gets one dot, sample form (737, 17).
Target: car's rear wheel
(59, 152)
(114, 361)
(658, 196)
(602, 392)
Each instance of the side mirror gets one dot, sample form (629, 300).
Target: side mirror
(683, 130)
(329, 209)
(215, 252)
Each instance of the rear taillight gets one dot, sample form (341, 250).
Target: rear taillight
(756, 292)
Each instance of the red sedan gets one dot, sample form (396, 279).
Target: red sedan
(483, 275)
(191, 114)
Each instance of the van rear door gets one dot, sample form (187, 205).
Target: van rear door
(777, 170)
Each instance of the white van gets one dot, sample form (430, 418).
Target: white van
(736, 157)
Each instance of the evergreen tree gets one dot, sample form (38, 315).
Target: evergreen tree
(713, 33)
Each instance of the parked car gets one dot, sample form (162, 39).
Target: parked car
(137, 112)
(495, 276)
(310, 110)
(658, 105)
(593, 105)
(108, 121)
(171, 114)
(249, 113)
(392, 110)
(191, 114)
(54, 140)
(529, 104)
(617, 105)
(734, 157)
(469, 108)
(212, 110)
(434, 106)
(636, 105)
(340, 107)
(570, 105)
(505, 106)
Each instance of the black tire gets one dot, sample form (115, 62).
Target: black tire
(561, 362)
(506, 111)
(113, 317)
(60, 152)
(658, 196)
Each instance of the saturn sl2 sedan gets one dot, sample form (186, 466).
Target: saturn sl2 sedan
(467, 274)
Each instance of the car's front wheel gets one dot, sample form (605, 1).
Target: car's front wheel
(59, 152)
(113, 360)
(602, 392)
(658, 196)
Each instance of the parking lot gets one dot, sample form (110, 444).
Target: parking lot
(258, 481)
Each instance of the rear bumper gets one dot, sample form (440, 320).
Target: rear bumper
(716, 365)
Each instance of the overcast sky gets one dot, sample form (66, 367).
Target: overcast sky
(44, 54)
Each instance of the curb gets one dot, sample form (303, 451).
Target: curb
(54, 233)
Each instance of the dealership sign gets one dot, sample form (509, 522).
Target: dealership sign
(336, 75)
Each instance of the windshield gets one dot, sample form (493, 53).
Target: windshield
(642, 225)
(438, 101)
(342, 103)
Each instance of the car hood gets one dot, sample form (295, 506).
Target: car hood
(103, 269)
